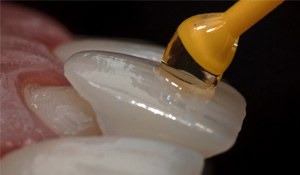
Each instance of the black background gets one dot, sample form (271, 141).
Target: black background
(265, 70)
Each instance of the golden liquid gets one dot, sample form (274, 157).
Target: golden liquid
(178, 58)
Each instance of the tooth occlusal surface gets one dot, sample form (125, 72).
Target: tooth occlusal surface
(132, 97)
(102, 155)
(136, 48)
(62, 110)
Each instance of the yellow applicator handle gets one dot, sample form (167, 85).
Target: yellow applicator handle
(210, 40)
(245, 13)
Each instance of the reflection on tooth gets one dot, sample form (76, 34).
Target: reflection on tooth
(102, 155)
(140, 49)
(62, 110)
(134, 97)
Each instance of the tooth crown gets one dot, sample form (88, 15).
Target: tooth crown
(134, 97)
(102, 155)
(62, 110)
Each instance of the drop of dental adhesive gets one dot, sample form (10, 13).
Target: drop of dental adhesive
(137, 97)
(102, 155)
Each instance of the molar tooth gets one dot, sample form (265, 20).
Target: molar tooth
(62, 110)
(102, 155)
(133, 97)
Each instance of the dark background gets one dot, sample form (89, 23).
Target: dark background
(265, 70)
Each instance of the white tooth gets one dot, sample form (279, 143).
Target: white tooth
(136, 48)
(102, 155)
(133, 97)
(62, 110)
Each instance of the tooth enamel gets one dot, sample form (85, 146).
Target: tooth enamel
(102, 155)
(62, 110)
(132, 98)
(139, 49)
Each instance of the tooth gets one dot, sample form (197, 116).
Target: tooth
(102, 155)
(136, 48)
(133, 97)
(62, 110)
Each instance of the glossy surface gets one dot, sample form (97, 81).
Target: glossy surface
(208, 41)
(211, 38)
(136, 97)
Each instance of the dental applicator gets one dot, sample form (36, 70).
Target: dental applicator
(204, 45)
